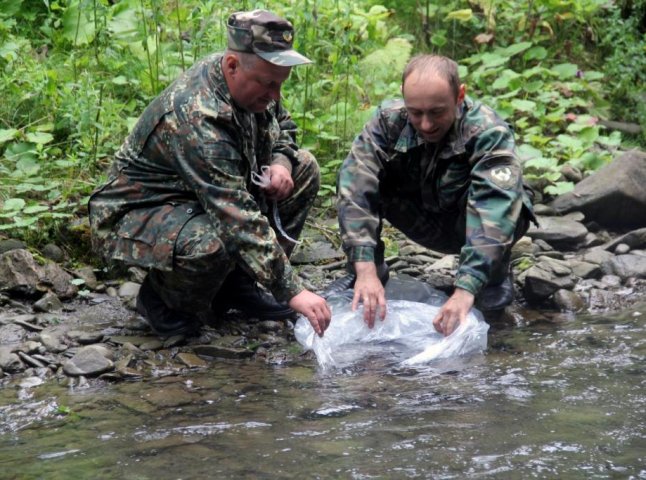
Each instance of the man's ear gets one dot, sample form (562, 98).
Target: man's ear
(230, 63)
(462, 91)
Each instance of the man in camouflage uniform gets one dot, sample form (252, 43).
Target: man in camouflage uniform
(441, 168)
(185, 200)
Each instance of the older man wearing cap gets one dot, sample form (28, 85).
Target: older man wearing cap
(209, 190)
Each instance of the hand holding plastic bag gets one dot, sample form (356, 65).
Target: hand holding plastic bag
(407, 333)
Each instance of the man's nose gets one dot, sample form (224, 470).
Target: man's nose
(427, 124)
(274, 93)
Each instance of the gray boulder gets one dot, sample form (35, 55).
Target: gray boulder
(546, 277)
(629, 265)
(559, 232)
(614, 196)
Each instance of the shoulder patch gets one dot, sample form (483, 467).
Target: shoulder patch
(503, 177)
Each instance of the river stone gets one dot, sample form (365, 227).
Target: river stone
(169, 396)
(544, 210)
(87, 275)
(559, 232)
(445, 263)
(523, 247)
(619, 203)
(9, 361)
(270, 326)
(568, 301)
(220, 351)
(19, 272)
(635, 240)
(29, 346)
(547, 276)
(585, 269)
(48, 303)
(11, 244)
(191, 360)
(12, 334)
(610, 281)
(591, 240)
(315, 252)
(60, 282)
(129, 290)
(630, 265)
(53, 252)
(621, 249)
(52, 339)
(85, 337)
(88, 361)
(597, 255)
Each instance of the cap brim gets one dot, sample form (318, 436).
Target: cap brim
(285, 58)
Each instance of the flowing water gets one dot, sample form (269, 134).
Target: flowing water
(561, 399)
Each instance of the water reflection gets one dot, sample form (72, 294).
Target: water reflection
(564, 400)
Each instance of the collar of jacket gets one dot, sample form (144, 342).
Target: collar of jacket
(452, 144)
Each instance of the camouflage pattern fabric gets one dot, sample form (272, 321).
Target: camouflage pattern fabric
(189, 157)
(265, 34)
(464, 195)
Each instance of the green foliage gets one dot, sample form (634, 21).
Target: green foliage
(75, 75)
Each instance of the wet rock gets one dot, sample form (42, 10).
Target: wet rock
(53, 339)
(169, 396)
(31, 382)
(221, 351)
(12, 334)
(191, 360)
(174, 341)
(48, 303)
(546, 277)
(152, 344)
(598, 256)
(559, 232)
(544, 210)
(523, 247)
(10, 361)
(53, 252)
(568, 301)
(585, 269)
(129, 290)
(591, 240)
(26, 321)
(89, 361)
(635, 240)
(29, 346)
(610, 281)
(58, 280)
(618, 203)
(621, 249)
(270, 326)
(317, 251)
(11, 244)
(32, 362)
(137, 275)
(445, 263)
(630, 265)
(19, 272)
(87, 275)
(85, 337)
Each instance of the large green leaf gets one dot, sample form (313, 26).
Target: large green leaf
(40, 138)
(7, 134)
(463, 15)
(523, 105)
(13, 204)
(78, 24)
(515, 48)
(565, 70)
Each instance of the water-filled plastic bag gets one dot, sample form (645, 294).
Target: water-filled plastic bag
(406, 335)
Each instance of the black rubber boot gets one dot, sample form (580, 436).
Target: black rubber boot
(496, 297)
(240, 292)
(163, 320)
(347, 282)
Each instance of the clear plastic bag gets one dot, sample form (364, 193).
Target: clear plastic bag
(407, 335)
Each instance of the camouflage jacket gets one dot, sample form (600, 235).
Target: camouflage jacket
(192, 146)
(476, 163)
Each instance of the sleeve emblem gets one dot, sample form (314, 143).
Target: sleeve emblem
(503, 177)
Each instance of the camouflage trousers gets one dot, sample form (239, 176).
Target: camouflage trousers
(201, 263)
(442, 232)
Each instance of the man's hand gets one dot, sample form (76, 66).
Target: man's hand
(314, 308)
(453, 312)
(369, 290)
(281, 183)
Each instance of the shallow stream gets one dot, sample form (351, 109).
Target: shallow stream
(560, 399)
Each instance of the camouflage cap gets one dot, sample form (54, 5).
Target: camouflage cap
(265, 34)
